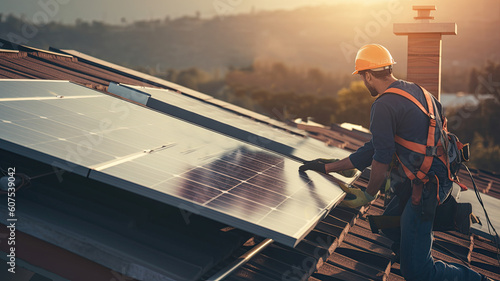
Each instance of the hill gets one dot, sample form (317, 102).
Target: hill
(322, 36)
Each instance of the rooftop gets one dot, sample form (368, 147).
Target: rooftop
(95, 231)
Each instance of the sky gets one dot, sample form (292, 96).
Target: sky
(112, 11)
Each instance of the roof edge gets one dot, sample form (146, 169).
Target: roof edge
(32, 49)
(8, 51)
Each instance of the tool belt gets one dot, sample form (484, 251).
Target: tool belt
(450, 215)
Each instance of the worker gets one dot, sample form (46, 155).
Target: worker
(395, 122)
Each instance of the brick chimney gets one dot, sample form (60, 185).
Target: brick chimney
(425, 48)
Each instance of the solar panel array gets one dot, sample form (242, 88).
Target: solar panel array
(229, 123)
(165, 158)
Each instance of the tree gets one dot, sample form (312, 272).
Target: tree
(354, 104)
(478, 123)
(486, 81)
(192, 77)
(485, 154)
(279, 69)
(315, 75)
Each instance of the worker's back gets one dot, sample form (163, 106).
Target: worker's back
(408, 122)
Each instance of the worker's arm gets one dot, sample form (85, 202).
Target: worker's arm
(341, 165)
(356, 197)
(322, 165)
(377, 177)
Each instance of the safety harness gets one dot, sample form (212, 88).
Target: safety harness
(447, 148)
(433, 148)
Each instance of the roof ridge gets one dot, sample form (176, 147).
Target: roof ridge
(41, 51)
(51, 55)
(4, 53)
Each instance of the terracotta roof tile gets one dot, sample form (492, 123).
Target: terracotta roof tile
(350, 264)
(395, 272)
(330, 272)
(46, 66)
(370, 250)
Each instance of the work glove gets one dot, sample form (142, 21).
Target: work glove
(348, 173)
(316, 165)
(319, 166)
(356, 197)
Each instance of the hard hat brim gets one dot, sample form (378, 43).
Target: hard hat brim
(383, 66)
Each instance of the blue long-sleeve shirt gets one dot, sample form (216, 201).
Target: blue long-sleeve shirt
(391, 115)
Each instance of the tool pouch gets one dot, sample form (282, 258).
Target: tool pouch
(454, 216)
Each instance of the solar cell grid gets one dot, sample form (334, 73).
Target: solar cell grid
(10, 88)
(44, 126)
(283, 220)
(239, 207)
(235, 171)
(273, 183)
(222, 182)
(252, 163)
(189, 190)
(258, 194)
(7, 112)
(21, 135)
(33, 107)
(138, 172)
(306, 210)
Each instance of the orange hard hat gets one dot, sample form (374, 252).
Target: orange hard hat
(372, 56)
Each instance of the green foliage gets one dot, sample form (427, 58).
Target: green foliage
(478, 123)
(280, 91)
(284, 92)
(278, 77)
(486, 81)
(485, 154)
(479, 118)
(354, 104)
(193, 78)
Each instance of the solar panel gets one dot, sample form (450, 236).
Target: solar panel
(490, 203)
(155, 155)
(229, 123)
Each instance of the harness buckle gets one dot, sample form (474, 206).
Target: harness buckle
(416, 181)
(432, 122)
(431, 151)
(420, 178)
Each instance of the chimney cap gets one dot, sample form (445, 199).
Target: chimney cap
(424, 12)
(427, 7)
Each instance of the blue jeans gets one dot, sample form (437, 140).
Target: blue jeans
(415, 243)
